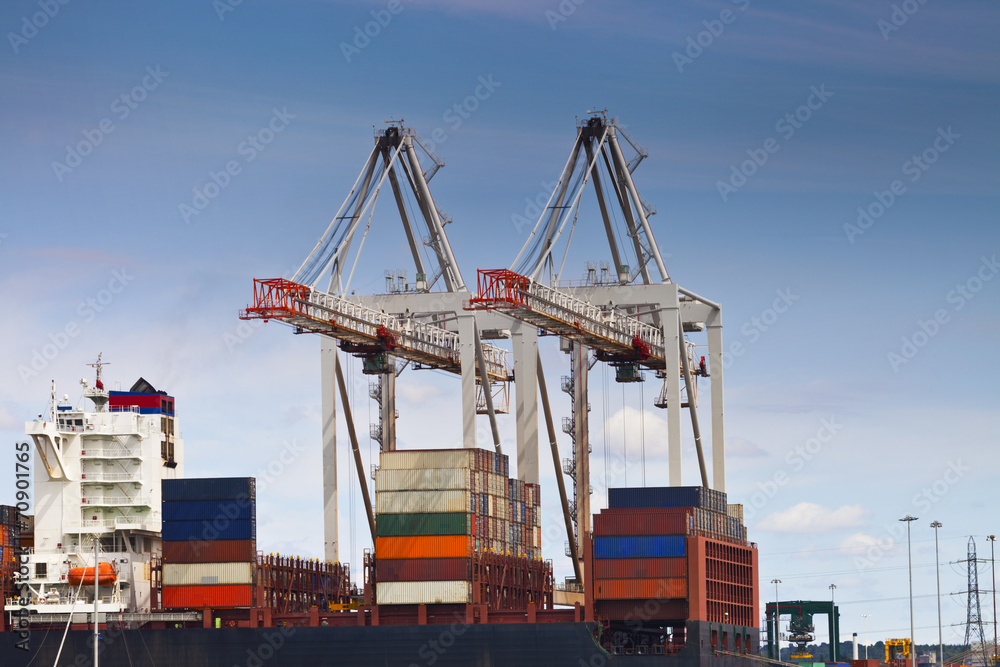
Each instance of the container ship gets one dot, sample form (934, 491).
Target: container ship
(166, 568)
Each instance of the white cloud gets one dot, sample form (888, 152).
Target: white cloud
(416, 394)
(813, 518)
(743, 448)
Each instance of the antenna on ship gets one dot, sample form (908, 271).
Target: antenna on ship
(98, 394)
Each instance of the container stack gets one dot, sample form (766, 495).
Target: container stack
(436, 509)
(10, 542)
(209, 542)
(683, 546)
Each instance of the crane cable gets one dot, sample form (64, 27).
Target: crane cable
(642, 428)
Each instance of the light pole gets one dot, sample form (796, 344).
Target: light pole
(993, 569)
(866, 617)
(834, 643)
(937, 563)
(777, 617)
(909, 564)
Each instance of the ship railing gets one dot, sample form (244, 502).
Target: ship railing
(110, 477)
(116, 501)
(116, 451)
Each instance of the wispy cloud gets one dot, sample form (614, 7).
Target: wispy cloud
(812, 518)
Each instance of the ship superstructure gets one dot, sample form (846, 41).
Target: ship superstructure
(98, 467)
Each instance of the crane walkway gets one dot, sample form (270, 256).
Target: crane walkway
(606, 330)
(364, 329)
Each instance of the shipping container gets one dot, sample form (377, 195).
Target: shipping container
(430, 546)
(199, 510)
(214, 551)
(222, 529)
(209, 488)
(735, 511)
(444, 523)
(208, 574)
(411, 502)
(200, 597)
(639, 568)
(667, 496)
(426, 458)
(650, 546)
(423, 592)
(639, 589)
(658, 521)
(421, 479)
(422, 569)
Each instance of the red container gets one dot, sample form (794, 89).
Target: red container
(200, 597)
(653, 521)
(422, 569)
(639, 568)
(639, 589)
(218, 551)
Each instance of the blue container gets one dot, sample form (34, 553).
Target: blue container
(199, 510)
(210, 531)
(651, 546)
(667, 496)
(210, 488)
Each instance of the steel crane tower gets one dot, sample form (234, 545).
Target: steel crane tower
(415, 324)
(636, 318)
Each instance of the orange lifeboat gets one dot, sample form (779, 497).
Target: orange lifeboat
(105, 575)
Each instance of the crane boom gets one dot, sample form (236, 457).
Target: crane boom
(609, 332)
(364, 329)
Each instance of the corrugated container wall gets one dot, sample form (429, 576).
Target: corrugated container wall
(422, 569)
(406, 502)
(239, 529)
(210, 551)
(426, 458)
(213, 488)
(423, 479)
(652, 546)
(423, 592)
(200, 597)
(205, 574)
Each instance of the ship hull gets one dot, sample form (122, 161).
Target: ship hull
(521, 644)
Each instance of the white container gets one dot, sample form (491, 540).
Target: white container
(415, 502)
(205, 574)
(423, 479)
(423, 592)
(427, 458)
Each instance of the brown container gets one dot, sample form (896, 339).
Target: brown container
(674, 610)
(639, 589)
(217, 551)
(639, 568)
(654, 521)
(422, 569)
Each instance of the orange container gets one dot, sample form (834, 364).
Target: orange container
(637, 589)
(424, 546)
(199, 597)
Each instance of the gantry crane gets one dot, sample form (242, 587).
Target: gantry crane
(629, 320)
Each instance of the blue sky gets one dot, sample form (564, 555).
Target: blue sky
(208, 81)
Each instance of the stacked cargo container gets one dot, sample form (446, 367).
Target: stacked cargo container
(435, 509)
(643, 542)
(10, 542)
(209, 542)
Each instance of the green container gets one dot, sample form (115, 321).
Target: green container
(444, 523)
